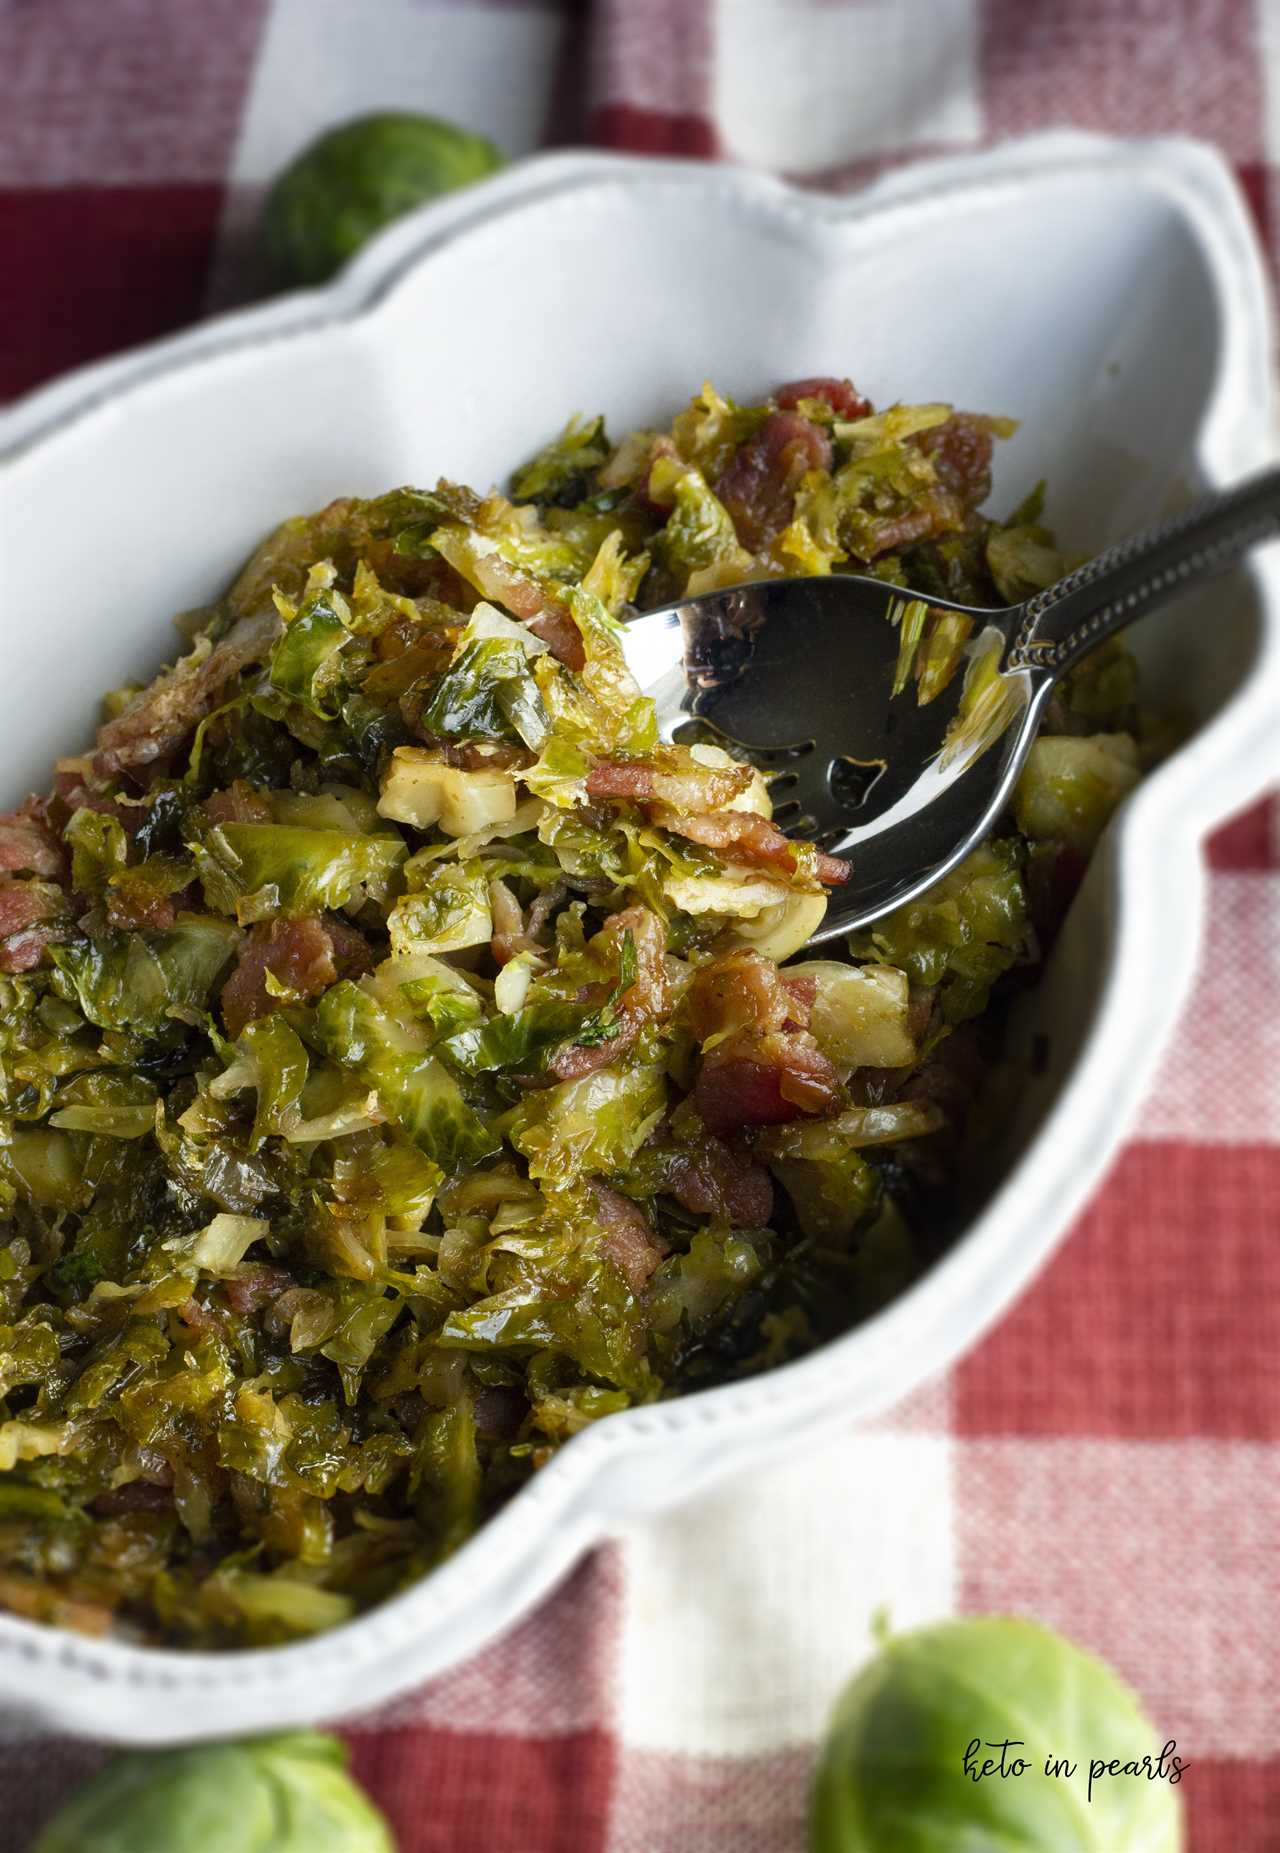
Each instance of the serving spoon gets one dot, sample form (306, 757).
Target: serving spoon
(798, 676)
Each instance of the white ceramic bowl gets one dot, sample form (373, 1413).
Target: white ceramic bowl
(1107, 293)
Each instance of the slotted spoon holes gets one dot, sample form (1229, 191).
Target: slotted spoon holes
(851, 781)
(803, 826)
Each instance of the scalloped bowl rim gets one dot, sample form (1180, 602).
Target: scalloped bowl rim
(608, 1474)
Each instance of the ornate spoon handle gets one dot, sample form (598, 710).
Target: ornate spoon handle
(1130, 579)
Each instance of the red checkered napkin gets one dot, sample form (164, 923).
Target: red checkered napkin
(1109, 1460)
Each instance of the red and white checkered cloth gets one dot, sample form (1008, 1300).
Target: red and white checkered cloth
(1109, 1460)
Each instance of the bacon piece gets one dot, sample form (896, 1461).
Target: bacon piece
(620, 778)
(162, 715)
(686, 787)
(921, 521)
(841, 395)
(784, 1081)
(759, 1071)
(239, 803)
(33, 915)
(807, 1079)
(297, 953)
(740, 991)
(560, 634)
(352, 953)
(802, 994)
(27, 844)
(256, 1286)
(758, 484)
(573, 1060)
(711, 1179)
(961, 450)
(651, 991)
(526, 598)
(745, 836)
(522, 595)
(288, 1305)
(71, 787)
(625, 1236)
(195, 1317)
(25, 950)
(785, 1076)
(647, 999)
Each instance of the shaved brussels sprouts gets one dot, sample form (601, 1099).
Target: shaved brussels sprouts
(418, 790)
(257, 870)
(783, 927)
(1069, 787)
(392, 1055)
(141, 981)
(861, 1014)
(402, 1061)
(963, 934)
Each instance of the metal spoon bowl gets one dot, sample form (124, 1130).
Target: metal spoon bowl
(798, 675)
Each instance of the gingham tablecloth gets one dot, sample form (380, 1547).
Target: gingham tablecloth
(1109, 1460)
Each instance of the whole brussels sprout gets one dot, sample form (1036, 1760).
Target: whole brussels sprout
(285, 1794)
(357, 178)
(893, 1778)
